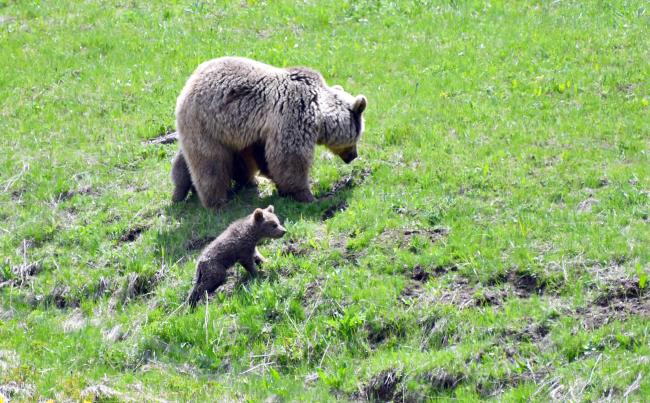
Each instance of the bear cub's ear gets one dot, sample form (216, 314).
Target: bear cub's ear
(359, 104)
(270, 208)
(258, 214)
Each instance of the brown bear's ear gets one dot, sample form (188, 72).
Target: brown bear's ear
(258, 214)
(270, 208)
(359, 104)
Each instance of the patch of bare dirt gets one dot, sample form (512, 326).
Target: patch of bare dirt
(114, 334)
(313, 291)
(383, 387)
(524, 284)
(23, 272)
(295, 248)
(15, 390)
(403, 237)
(533, 332)
(103, 286)
(198, 243)
(619, 301)
(586, 205)
(8, 359)
(74, 322)
(460, 293)
(378, 332)
(354, 179)
(103, 393)
(61, 297)
(624, 290)
(132, 234)
(69, 194)
(419, 274)
(333, 210)
(441, 379)
(437, 332)
(493, 386)
(135, 285)
(422, 274)
(166, 138)
(463, 295)
(411, 292)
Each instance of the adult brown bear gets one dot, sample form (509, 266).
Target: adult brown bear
(236, 117)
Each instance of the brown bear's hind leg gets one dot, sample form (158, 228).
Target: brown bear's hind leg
(244, 169)
(180, 177)
(211, 173)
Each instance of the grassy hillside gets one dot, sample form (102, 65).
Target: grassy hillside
(492, 240)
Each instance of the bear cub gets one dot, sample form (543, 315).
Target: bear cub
(238, 243)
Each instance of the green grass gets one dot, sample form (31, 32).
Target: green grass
(512, 137)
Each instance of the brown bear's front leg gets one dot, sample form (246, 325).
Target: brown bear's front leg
(211, 169)
(249, 264)
(290, 173)
(259, 259)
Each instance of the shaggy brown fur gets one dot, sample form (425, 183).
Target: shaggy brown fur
(238, 243)
(236, 117)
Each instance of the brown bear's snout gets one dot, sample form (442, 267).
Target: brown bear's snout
(280, 231)
(349, 156)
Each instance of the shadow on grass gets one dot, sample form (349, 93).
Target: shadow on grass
(197, 226)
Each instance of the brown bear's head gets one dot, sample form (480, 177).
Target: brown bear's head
(342, 122)
(268, 223)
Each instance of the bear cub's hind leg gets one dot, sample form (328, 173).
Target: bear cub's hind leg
(209, 276)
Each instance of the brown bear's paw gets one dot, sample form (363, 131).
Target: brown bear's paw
(214, 204)
(259, 259)
(179, 195)
(304, 196)
(250, 184)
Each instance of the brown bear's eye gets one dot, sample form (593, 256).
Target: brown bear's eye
(274, 225)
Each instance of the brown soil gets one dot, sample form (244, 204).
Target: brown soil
(442, 380)
(296, 248)
(495, 386)
(198, 243)
(132, 234)
(61, 297)
(333, 210)
(619, 301)
(403, 237)
(167, 138)
(354, 179)
(69, 194)
(382, 387)
(524, 284)
(313, 291)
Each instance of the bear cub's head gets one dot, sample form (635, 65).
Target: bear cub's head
(267, 223)
(342, 122)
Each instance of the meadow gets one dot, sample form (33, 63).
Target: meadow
(490, 242)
